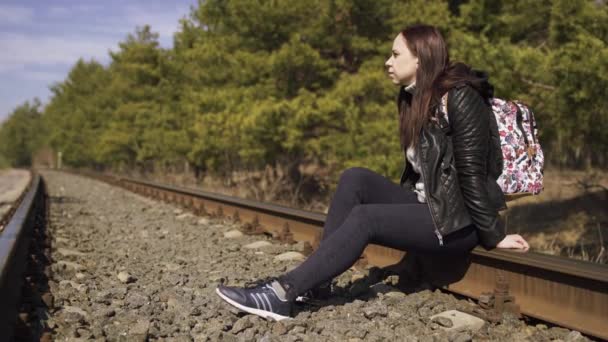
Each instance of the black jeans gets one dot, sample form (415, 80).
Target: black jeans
(369, 208)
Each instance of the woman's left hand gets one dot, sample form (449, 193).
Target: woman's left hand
(514, 241)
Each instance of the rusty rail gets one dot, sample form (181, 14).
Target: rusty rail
(14, 244)
(566, 292)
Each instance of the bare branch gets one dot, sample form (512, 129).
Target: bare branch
(538, 85)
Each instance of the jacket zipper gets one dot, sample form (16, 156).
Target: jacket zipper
(437, 232)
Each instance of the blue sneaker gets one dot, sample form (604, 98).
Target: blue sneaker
(266, 299)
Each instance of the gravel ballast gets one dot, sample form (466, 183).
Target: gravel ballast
(134, 269)
(13, 183)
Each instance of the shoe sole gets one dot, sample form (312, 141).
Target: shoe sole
(261, 313)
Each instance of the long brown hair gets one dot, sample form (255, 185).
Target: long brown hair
(435, 75)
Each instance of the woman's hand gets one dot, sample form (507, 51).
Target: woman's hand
(514, 241)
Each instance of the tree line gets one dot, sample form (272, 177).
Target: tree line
(253, 83)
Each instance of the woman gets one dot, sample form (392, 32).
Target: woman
(448, 200)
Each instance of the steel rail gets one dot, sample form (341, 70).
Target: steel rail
(14, 244)
(566, 292)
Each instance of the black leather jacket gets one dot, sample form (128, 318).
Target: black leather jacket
(460, 178)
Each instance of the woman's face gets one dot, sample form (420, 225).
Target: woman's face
(402, 64)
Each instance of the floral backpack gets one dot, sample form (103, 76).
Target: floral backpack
(523, 158)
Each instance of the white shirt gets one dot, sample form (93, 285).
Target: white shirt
(412, 158)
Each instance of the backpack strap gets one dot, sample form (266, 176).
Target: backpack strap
(519, 118)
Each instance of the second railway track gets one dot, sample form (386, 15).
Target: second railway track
(566, 292)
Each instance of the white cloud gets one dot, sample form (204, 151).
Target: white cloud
(15, 14)
(37, 48)
(88, 38)
(26, 50)
(21, 51)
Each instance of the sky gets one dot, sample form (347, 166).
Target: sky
(40, 40)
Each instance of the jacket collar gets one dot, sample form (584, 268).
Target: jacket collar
(410, 88)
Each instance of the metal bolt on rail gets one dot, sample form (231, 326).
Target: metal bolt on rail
(236, 217)
(500, 301)
(254, 227)
(285, 235)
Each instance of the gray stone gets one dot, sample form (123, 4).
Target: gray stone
(104, 296)
(396, 294)
(136, 300)
(200, 337)
(139, 330)
(233, 234)
(279, 328)
(375, 310)
(69, 308)
(258, 244)
(83, 333)
(267, 338)
(301, 246)
(297, 330)
(61, 240)
(443, 321)
(394, 315)
(109, 312)
(68, 265)
(73, 314)
(459, 320)
(289, 256)
(242, 324)
(357, 277)
(125, 277)
(222, 336)
(171, 266)
(184, 216)
(68, 252)
(574, 336)
(461, 337)
(118, 292)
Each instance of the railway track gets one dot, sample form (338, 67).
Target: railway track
(21, 223)
(566, 292)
